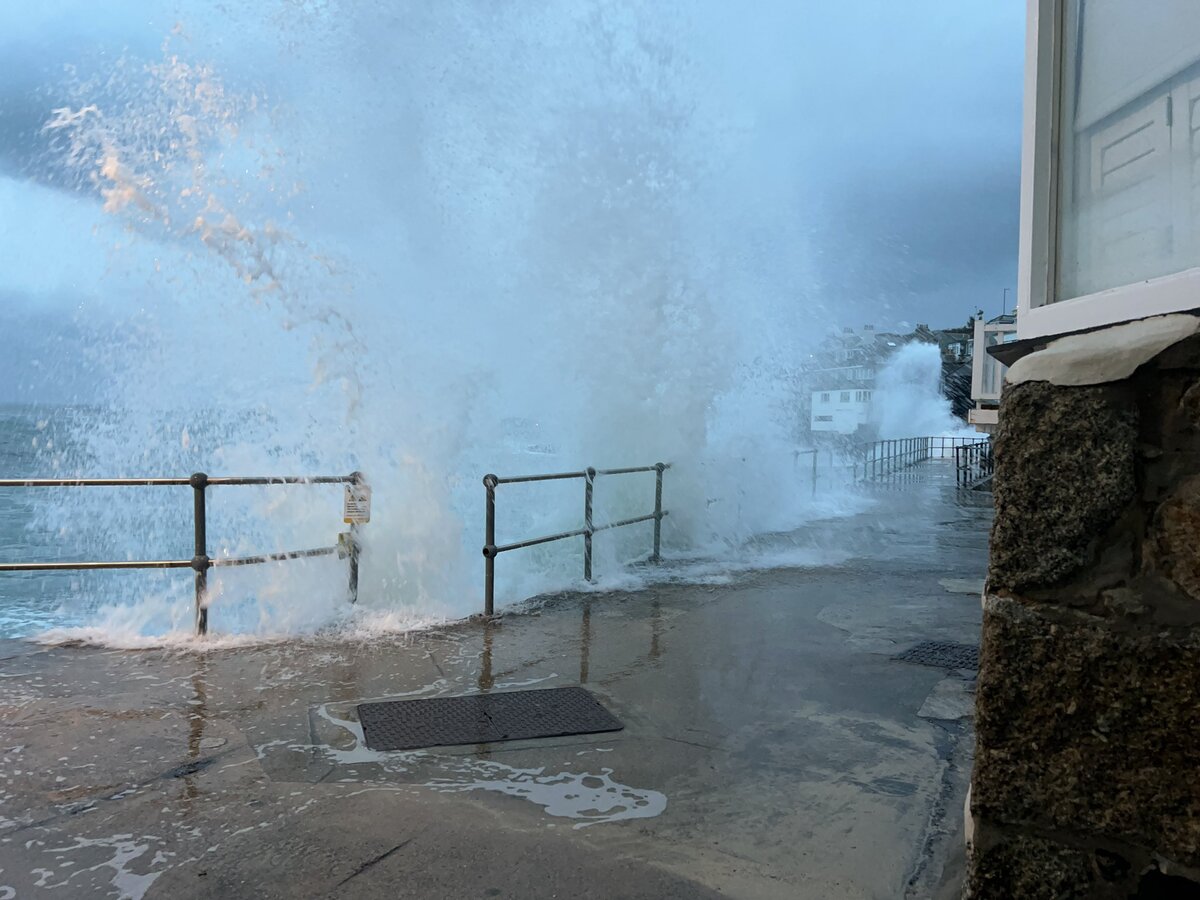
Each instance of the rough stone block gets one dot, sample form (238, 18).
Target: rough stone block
(1065, 464)
(1176, 537)
(1089, 729)
(1033, 868)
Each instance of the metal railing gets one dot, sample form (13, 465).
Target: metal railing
(491, 550)
(879, 459)
(973, 463)
(813, 465)
(201, 562)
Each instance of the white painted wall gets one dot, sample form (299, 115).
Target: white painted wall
(840, 411)
(1110, 195)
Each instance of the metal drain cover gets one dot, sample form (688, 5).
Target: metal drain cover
(483, 718)
(946, 654)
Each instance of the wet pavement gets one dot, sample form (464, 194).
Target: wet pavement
(772, 747)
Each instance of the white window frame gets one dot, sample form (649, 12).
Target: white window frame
(1037, 255)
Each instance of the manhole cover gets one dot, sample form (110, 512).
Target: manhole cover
(945, 654)
(483, 718)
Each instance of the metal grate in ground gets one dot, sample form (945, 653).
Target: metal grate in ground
(483, 718)
(945, 654)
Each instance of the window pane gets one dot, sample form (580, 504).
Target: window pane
(1127, 191)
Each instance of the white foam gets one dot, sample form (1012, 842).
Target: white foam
(126, 849)
(590, 798)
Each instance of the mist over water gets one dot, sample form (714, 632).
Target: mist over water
(426, 243)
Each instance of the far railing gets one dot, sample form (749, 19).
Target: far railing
(973, 463)
(491, 550)
(356, 510)
(879, 459)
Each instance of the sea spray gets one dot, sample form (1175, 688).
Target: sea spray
(425, 243)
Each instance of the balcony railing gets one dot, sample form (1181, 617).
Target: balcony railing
(987, 373)
(201, 562)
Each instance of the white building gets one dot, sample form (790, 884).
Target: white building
(1110, 196)
(1110, 185)
(841, 411)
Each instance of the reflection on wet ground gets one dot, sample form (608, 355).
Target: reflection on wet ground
(772, 746)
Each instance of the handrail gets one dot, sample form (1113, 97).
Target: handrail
(172, 482)
(202, 562)
(882, 458)
(491, 550)
(973, 463)
(67, 566)
(521, 479)
(92, 482)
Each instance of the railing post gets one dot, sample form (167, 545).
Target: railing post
(356, 479)
(489, 547)
(658, 514)
(200, 560)
(588, 482)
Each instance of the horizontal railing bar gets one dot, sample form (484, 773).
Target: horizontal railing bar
(631, 470)
(557, 476)
(504, 548)
(169, 563)
(171, 482)
(92, 482)
(272, 557)
(286, 479)
(649, 517)
(64, 566)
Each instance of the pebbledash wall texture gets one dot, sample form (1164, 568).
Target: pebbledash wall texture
(1087, 771)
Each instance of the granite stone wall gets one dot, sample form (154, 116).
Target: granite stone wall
(1087, 773)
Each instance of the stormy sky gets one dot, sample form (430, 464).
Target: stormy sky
(886, 135)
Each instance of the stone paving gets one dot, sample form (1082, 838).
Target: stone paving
(772, 745)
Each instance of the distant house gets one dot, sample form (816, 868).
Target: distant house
(839, 379)
(957, 347)
(956, 344)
